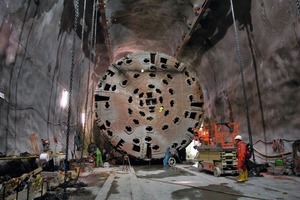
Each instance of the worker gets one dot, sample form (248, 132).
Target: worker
(95, 154)
(241, 158)
(46, 161)
(202, 136)
(205, 136)
(167, 156)
(197, 143)
(46, 145)
(99, 161)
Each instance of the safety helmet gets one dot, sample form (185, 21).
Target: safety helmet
(45, 142)
(238, 137)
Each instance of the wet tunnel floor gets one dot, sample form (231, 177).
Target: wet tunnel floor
(213, 191)
(219, 192)
(154, 174)
(184, 182)
(158, 171)
(93, 183)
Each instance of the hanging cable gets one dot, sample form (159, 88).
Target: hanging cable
(89, 65)
(36, 111)
(79, 83)
(82, 138)
(78, 111)
(242, 76)
(70, 87)
(94, 60)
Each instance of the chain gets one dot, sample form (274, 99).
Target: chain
(242, 75)
(70, 87)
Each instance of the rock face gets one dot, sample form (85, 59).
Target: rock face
(36, 58)
(41, 57)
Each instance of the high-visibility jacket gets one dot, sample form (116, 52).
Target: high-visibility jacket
(241, 155)
(204, 135)
(201, 135)
(99, 161)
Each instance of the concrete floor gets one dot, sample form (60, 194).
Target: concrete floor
(180, 182)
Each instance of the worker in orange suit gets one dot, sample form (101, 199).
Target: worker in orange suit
(202, 136)
(241, 157)
(205, 136)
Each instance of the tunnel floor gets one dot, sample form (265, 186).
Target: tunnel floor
(183, 181)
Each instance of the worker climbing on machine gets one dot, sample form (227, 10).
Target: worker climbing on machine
(201, 136)
(241, 159)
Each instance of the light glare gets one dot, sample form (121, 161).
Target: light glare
(83, 119)
(64, 98)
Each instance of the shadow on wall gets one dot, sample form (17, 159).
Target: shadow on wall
(216, 23)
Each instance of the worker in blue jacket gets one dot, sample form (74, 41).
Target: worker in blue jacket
(167, 156)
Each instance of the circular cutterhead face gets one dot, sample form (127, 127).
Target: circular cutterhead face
(146, 102)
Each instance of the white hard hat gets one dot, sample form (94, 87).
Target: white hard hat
(238, 137)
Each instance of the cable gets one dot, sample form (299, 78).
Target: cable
(86, 101)
(273, 155)
(89, 71)
(79, 79)
(37, 111)
(94, 62)
(242, 76)
(31, 58)
(71, 86)
(272, 143)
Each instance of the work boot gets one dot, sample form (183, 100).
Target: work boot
(241, 178)
(246, 175)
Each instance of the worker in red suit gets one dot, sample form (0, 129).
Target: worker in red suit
(201, 136)
(241, 158)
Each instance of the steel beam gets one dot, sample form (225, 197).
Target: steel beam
(103, 21)
(199, 13)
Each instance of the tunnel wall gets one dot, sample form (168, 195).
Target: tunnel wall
(35, 56)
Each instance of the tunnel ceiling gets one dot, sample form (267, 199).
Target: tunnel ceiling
(169, 27)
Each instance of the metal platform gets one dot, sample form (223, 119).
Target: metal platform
(217, 160)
